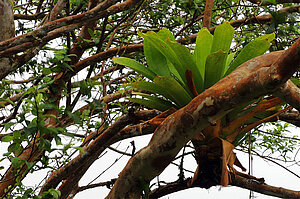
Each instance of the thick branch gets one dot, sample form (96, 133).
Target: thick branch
(249, 81)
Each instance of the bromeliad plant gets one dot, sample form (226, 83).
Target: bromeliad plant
(175, 77)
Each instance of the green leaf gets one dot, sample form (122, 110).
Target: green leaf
(166, 50)
(84, 88)
(91, 32)
(151, 87)
(7, 138)
(79, 149)
(75, 117)
(223, 36)
(134, 65)
(174, 89)
(228, 61)
(214, 68)
(271, 1)
(152, 102)
(48, 106)
(54, 193)
(29, 164)
(46, 71)
(16, 135)
(166, 34)
(187, 62)
(68, 66)
(296, 81)
(8, 125)
(253, 49)
(15, 148)
(202, 50)
(78, 2)
(17, 162)
(7, 100)
(57, 140)
(39, 97)
(156, 60)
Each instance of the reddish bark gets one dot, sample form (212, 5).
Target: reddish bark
(207, 13)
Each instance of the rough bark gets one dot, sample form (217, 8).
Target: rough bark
(7, 28)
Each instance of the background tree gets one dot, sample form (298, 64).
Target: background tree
(64, 101)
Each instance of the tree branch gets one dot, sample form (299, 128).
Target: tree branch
(290, 93)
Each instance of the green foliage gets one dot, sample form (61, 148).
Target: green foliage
(168, 61)
(273, 139)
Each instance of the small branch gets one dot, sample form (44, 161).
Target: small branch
(236, 180)
(100, 184)
(264, 188)
(207, 13)
(264, 3)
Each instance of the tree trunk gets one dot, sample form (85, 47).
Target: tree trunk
(7, 29)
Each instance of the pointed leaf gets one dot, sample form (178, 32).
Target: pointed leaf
(202, 50)
(253, 49)
(166, 50)
(174, 72)
(223, 36)
(214, 68)
(7, 138)
(152, 102)
(174, 89)
(134, 65)
(165, 34)
(152, 87)
(228, 61)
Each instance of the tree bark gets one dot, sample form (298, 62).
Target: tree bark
(7, 28)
